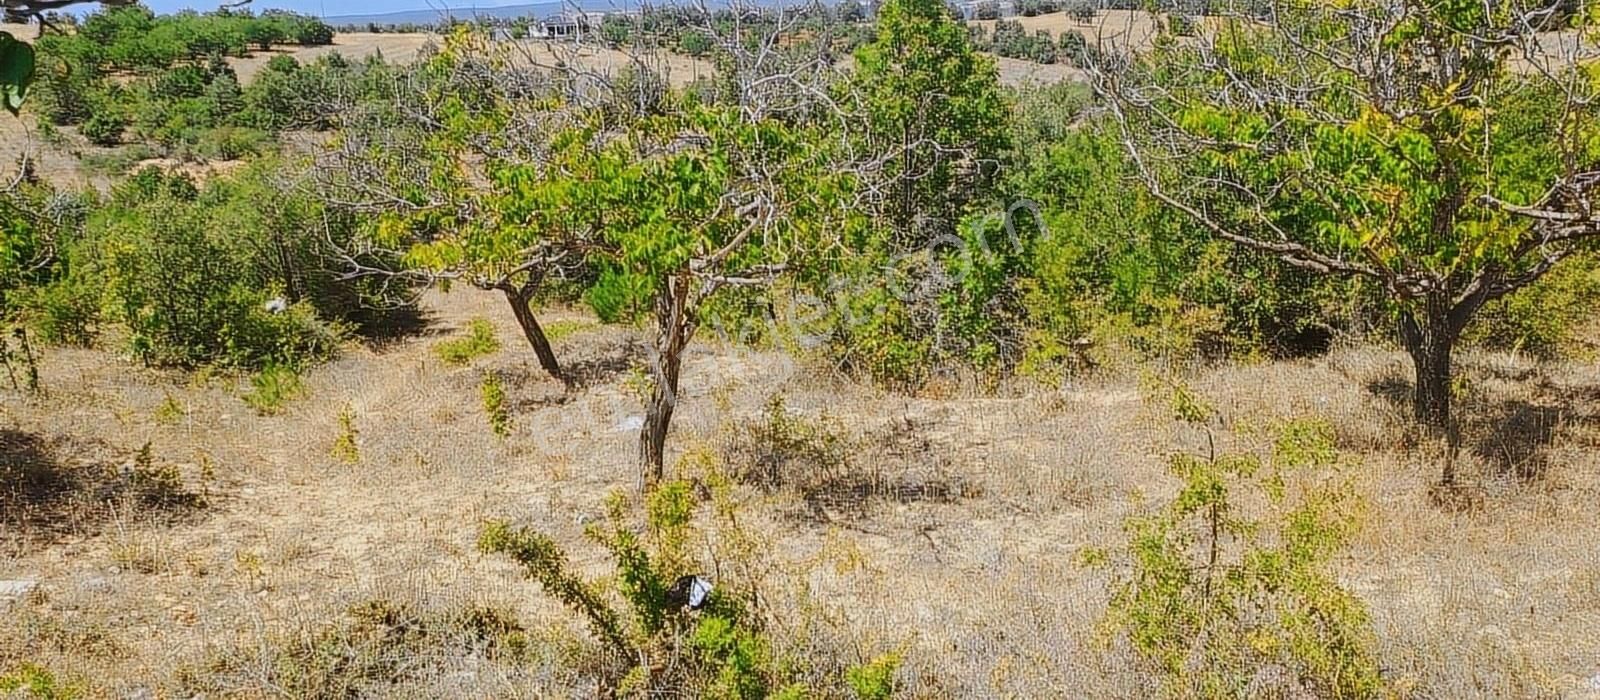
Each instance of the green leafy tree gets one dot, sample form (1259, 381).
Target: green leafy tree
(850, 11)
(1401, 144)
(264, 32)
(411, 168)
(680, 207)
(934, 109)
(933, 121)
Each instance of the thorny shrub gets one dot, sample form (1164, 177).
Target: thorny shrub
(1225, 592)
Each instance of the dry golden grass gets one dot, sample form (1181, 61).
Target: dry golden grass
(980, 585)
(399, 48)
(1135, 29)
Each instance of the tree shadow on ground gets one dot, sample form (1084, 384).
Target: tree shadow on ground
(1513, 435)
(1510, 434)
(1394, 389)
(584, 370)
(31, 480)
(839, 479)
(388, 330)
(604, 365)
(53, 488)
(853, 495)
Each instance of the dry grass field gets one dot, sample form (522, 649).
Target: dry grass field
(1120, 28)
(962, 549)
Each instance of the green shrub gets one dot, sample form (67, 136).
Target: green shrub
(105, 127)
(878, 337)
(1081, 11)
(345, 447)
(694, 43)
(785, 450)
(116, 162)
(1181, 25)
(34, 681)
(493, 395)
(158, 486)
(236, 275)
(66, 312)
(272, 387)
(652, 643)
(722, 651)
(1547, 318)
(479, 341)
(874, 680)
(170, 411)
(1225, 592)
(233, 143)
(1112, 275)
(561, 329)
(173, 285)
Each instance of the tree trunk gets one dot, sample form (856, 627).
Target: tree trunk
(1430, 339)
(1429, 335)
(673, 328)
(519, 300)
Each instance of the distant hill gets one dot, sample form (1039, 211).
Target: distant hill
(435, 15)
(539, 9)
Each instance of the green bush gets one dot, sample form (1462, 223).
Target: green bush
(240, 274)
(25, 252)
(1181, 25)
(1081, 11)
(882, 342)
(1226, 591)
(1075, 50)
(34, 681)
(187, 297)
(66, 312)
(1546, 319)
(232, 143)
(493, 395)
(784, 450)
(193, 285)
(724, 654)
(105, 127)
(875, 679)
(346, 447)
(117, 162)
(36, 259)
(272, 387)
(694, 43)
(1011, 40)
(1112, 271)
(651, 643)
(182, 86)
(479, 341)
(63, 88)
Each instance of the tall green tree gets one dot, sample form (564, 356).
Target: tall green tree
(1407, 144)
(934, 114)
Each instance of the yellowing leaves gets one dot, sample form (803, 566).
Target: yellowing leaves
(435, 256)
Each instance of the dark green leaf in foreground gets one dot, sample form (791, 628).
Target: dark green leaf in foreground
(16, 70)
